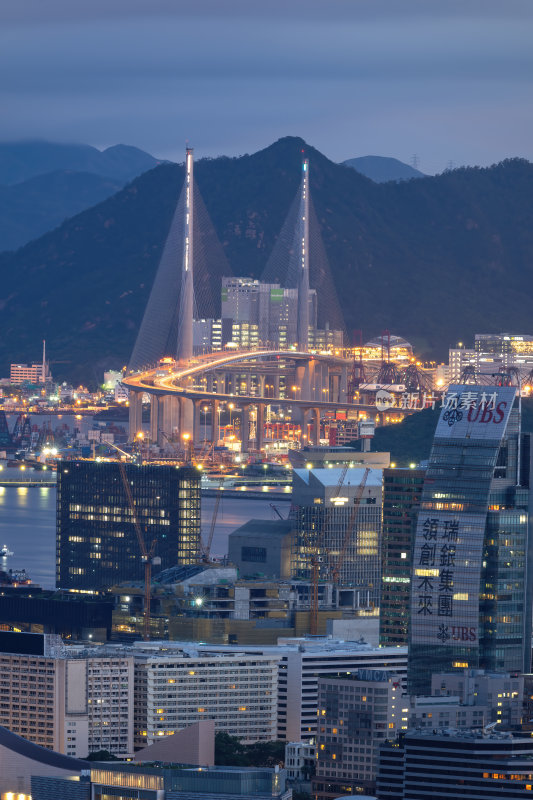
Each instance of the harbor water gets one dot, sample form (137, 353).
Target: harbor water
(28, 526)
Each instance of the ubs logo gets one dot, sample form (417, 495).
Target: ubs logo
(488, 415)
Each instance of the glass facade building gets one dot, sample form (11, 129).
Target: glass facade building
(402, 490)
(96, 542)
(470, 596)
(338, 523)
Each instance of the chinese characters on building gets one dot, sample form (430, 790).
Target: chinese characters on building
(437, 553)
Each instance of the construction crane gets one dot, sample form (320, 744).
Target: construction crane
(21, 435)
(169, 441)
(120, 450)
(206, 548)
(276, 510)
(316, 559)
(147, 556)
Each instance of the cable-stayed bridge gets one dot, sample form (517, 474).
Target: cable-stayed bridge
(163, 364)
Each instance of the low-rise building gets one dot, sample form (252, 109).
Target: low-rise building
(357, 711)
(262, 547)
(300, 761)
(499, 694)
(20, 759)
(195, 603)
(168, 782)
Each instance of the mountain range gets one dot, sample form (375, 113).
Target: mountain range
(435, 260)
(20, 161)
(44, 183)
(382, 169)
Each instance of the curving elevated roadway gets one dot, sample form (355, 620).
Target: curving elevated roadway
(316, 375)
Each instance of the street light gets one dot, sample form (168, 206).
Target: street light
(186, 438)
(205, 410)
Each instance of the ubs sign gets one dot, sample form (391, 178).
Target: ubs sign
(480, 413)
(449, 538)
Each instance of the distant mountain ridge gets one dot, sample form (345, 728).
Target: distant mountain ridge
(434, 260)
(43, 183)
(34, 207)
(20, 161)
(382, 169)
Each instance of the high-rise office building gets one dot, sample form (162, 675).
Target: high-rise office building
(332, 528)
(97, 545)
(470, 592)
(266, 313)
(402, 490)
(493, 352)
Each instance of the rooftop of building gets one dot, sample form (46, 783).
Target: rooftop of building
(320, 646)
(487, 734)
(266, 527)
(436, 700)
(392, 339)
(332, 476)
(365, 676)
(315, 644)
(325, 450)
(155, 766)
(42, 755)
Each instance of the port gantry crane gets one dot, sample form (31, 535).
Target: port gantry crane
(147, 556)
(316, 558)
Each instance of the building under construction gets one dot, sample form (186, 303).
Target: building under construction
(338, 529)
(210, 603)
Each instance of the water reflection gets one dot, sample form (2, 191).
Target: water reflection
(28, 521)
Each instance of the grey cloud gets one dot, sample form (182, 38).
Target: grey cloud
(351, 76)
(29, 12)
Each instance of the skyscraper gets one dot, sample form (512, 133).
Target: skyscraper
(338, 523)
(97, 544)
(470, 594)
(402, 490)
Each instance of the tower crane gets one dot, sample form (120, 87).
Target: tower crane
(206, 548)
(277, 511)
(147, 556)
(120, 450)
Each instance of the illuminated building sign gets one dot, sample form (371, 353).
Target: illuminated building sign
(447, 555)
(475, 412)
(446, 569)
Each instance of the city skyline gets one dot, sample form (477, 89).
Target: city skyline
(288, 534)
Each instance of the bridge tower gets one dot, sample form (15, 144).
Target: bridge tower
(185, 335)
(302, 329)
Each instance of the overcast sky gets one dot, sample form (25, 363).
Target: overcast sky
(447, 80)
